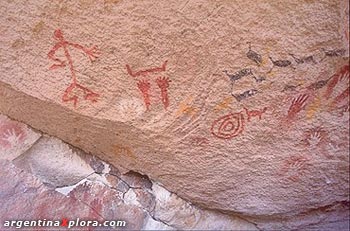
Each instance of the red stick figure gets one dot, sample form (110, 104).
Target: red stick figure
(92, 53)
(297, 105)
(144, 85)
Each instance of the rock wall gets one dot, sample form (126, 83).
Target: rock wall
(45, 178)
(241, 107)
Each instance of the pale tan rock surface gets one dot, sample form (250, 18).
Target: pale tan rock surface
(271, 142)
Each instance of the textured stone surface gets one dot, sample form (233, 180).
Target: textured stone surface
(15, 138)
(183, 215)
(54, 163)
(260, 131)
(25, 197)
(62, 184)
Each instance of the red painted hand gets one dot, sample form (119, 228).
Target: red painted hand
(92, 52)
(163, 82)
(297, 105)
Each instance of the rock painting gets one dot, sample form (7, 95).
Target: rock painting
(306, 59)
(75, 89)
(297, 104)
(144, 84)
(254, 113)
(232, 125)
(289, 87)
(332, 53)
(228, 126)
(130, 108)
(317, 141)
(294, 167)
(11, 133)
(279, 63)
(342, 75)
(315, 137)
(185, 108)
(224, 104)
(254, 56)
(242, 95)
(199, 141)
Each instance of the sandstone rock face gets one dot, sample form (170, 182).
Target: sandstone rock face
(235, 106)
(68, 185)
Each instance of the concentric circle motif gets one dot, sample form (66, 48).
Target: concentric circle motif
(228, 126)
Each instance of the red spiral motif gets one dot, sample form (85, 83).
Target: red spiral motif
(228, 126)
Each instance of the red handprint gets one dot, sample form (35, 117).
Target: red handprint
(163, 84)
(297, 105)
(342, 74)
(294, 167)
(144, 85)
(92, 53)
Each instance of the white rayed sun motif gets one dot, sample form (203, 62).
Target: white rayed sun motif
(129, 109)
(315, 138)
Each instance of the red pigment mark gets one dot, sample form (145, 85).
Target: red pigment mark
(343, 109)
(92, 53)
(96, 209)
(344, 95)
(200, 141)
(254, 113)
(297, 105)
(163, 84)
(343, 73)
(228, 126)
(147, 71)
(294, 167)
(144, 85)
(11, 133)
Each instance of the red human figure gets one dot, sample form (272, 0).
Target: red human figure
(163, 84)
(144, 87)
(92, 54)
(297, 105)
